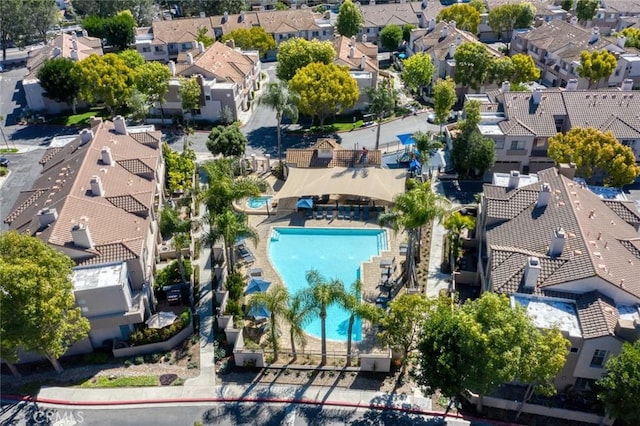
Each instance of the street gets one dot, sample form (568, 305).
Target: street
(228, 413)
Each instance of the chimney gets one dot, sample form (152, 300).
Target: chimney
(572, 84)
(544, 195)
(119, 125)
(203, 15)
(86, 136)
(74, 43)
(74, 37)
(81, 236)
(241, 15)
(452, 50)
(573, 20)
(352, 51)
(452, 24)
(458, 40)
(372, 2)
(85, 33)
(95, 121)
(627, 84)
(567, 170)
(363, 62)
(557, 242)
(622, 40)
(531, 272)
(47, 216)
(200, 47)
(506, 87)
(189, 58)
(96, 186)
(595, 35)
(424, 4)
(55, 52)
(352, 41)
(536, 95)
(230, 43)
(431, 24)
(225, 17)
(364, 38)
(172, 68)
(514, 179)
(445, 31)
(74, 54)
(105, 155)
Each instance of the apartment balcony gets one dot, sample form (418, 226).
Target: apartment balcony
(516, 152)
(538, 153)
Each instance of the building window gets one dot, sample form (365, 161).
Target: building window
(583, 384)
(315, 33)
(499, 144)
(158, 49)
(197, 111)
(517, 145)
(574, 350)
(598, 358)
(146, 50)
(207, 97)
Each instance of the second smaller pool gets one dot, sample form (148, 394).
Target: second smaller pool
(258, 202)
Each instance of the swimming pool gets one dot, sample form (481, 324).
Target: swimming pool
(335, 253)
(258, 202)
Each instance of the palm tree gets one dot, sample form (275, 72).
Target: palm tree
(410, 212)
(230, 225)
(275, 300)
(284, 103)
(181, 240)
(455, 224)
(382, 101)
(425, 143)
(318, 297)
(352, 302)
(296, 317)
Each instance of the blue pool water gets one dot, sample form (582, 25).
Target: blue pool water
(258, 202)
(335, 253)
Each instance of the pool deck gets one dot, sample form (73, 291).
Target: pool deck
(370, 273)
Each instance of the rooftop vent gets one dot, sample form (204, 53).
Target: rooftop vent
(120, 125)
(514, 179)
(506, 87)
(172, 68)
(189, 58)
(531, 272)
(557, 242)
(86, 136)
(96, 186)
(572, 84)
(106, 156)
(544, 195)
(627, 84)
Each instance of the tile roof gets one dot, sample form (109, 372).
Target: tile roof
(119, 217)
(434, 43)
(179, 30)
(526, 118)
(234, 22)
(598, 315)
(380, 15)
(292, 20)
(621, 6)
(108, 253)
(626, 210)
(342, 157)
(85, 46)
(599, 244)
(342, 46)
(223, 63)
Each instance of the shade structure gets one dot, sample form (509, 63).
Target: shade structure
(259, 312)
(257, 285)
(406, 139)
(305, 203)
(414, 164)
(161, 319)
(369, 182)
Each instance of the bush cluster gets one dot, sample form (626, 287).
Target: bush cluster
(154, 335)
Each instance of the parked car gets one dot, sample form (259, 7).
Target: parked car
(174, 293)
(431, 117)
(4, 162)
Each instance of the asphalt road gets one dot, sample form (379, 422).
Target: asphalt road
(261, 414)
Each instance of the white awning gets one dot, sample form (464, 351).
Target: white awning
(369, 182)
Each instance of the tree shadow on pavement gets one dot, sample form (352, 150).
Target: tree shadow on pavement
(265, 139)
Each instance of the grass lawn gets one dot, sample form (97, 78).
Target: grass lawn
(8, 150)
(120, 382)
(81, 119)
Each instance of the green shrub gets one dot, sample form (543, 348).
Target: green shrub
(153, 358)
(196, 284)
(278, 171)
(138, 360)
(196, 251)
(235, 286)
(192, 365)
(4, 171)
(128, 363)
(171, 274)
(234, 309)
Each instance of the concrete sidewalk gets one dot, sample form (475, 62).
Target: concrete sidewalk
(436, 279)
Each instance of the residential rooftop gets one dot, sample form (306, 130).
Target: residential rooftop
(106, 275)
(548, 313)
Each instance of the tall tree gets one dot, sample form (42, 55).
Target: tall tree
(296, 53)
(418, 71)
(391, 36)
(296, 316)
(406, 31)
(204, 37)
(410, 212)
(505, 18)
(455, 224)
(43, 14)
(228, 141)
(105, 78)
(472, 150)
(14, 23)
(284, 103)
(524, 69)
(276, 301)
(132, 58)
(596, 65)
(382, 102)
(179, 169)
(501, 69)
(350, 19)
(597, 155)
(586, 9)
(473, 62)
(351, 301)
(119, 30)
(152, 79)
(321, 294)
(58, 81)
(255, 38)
(403, 323)
(142, 10)
(619, 388)
(425, 143)
(190, 94)
(39, 312)
(324, 90)
(94, 26)
(231, 225)
(482, 154)
(465, 16)
(567, 5)
(444, 98)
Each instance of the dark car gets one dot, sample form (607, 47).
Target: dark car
(174, 293)
(4, 162)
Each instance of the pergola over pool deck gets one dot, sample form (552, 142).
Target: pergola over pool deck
(366, 182)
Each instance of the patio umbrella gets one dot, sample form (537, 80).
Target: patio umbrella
(256, 285)
(259, 312)
(161, 320)
(304, 203)
(406, 139)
